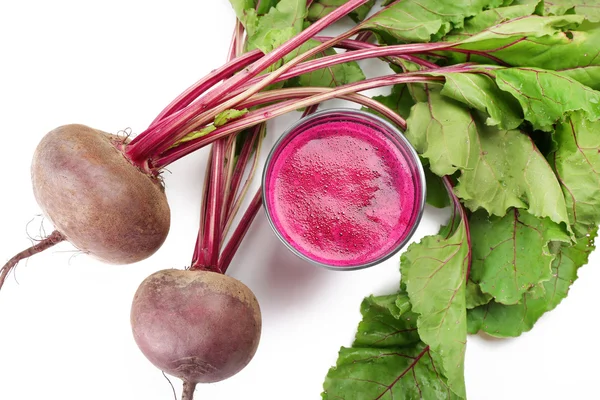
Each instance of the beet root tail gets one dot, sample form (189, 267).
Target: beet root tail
(54, 238)
(188, 390)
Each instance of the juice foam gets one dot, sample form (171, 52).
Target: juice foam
(341, 193)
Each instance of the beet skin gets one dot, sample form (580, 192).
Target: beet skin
(101, 203)
(199, 326)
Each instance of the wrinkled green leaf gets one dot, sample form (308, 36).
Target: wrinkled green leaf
(546, 96)
(481, 93)
(576, 161)
(265, 5)
(333, 76)
(511, 254)
(437, 195)
(489, 18)
(387, 322)
(509, 321)
(442, 131)
(434, 272)
(506, 169)
(587, 75)
(423, 20)
(387, 360)
(280, 24)
(588, 8)
(229, 115)
(320, 8)
(399, 100)
(196, 134)
(535, 41)
(475, 297)
(242, 7)
(500, 320)
(499, 168)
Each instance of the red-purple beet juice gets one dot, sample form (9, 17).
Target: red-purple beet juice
(343, 189)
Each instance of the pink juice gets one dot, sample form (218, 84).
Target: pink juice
(343, 192)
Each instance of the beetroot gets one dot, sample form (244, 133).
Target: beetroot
(197, 325)
(96, 198)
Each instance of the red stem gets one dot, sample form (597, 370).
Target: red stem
(463, 215)
(191, 93)
(164, 135)
(208, 254)
(241, 166)
(372, 51)
(239, 233)
(310, 96)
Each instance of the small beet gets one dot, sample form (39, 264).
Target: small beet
(97, 199)
(197, 325)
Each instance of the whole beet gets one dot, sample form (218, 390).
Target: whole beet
(197, 325)
(96, 198)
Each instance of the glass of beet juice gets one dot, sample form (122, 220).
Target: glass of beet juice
(343, 189)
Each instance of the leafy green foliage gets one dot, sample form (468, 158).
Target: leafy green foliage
(441, 130)
(587, 8)
(434, 273)
(511, 320)
(506, 170)
(423, 20)
(534, 41)
(576, 161)
(453, 138)
(480, 92)
(503, 263)
(387, 360)
(437, 195)
(491, 17)
(279, 24)
(546, 96)
(320, 8)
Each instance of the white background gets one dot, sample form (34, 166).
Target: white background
(64, 327)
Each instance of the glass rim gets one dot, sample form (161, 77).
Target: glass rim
(420, 204)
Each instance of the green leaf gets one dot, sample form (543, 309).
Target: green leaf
(569, 258)
(546, 96)
(423, 20)
(442, 130)
(576, 161)
(491, 17)
(475, 297)
(587, 75)
(399, 100)
(242, 7)
(509, 321)
(333, 76)
(387, 322)
(264, 6)
(196, 134)
(587, 8)
(481, 93)
(434, 273)
(506, 169)
(437, 195)
(229, 115)
(453, 139)
(387, 360)
(320, 8)
(271, 30)
(535, 41)
(500, 320)
(504, 263)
